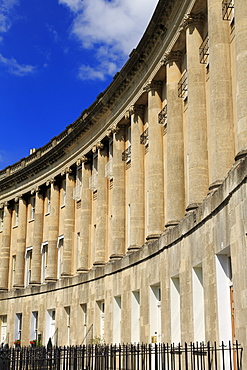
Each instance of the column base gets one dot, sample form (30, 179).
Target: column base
(34, 283)
(152, 237)
(132, 248)
(50, 280)
(82, 270)
(18, 286)
(171, 224)
(192, 206)
(66, 275)
(241, 154)
(115, 257)
(215, 185)
(98, 264)
(2, 289)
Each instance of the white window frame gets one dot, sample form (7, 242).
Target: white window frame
(78, 185)
(50, 325)
(48, 200)
(16, 214)
(3, 338)
(44, 264)
(13, 269)
(67, 311)
(60, 246)
(84, 320)
(117, 314)
(63, 192)
(28, 265)
(32, 207)
(18, 326)
(34, 326)
(1, 219)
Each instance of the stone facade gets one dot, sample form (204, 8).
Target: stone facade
(131, 224)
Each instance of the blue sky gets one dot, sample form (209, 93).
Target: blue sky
(56, 56)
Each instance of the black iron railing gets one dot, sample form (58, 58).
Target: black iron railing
(204, 51)
(227, 10)
(125, 357)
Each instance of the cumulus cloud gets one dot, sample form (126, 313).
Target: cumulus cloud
(113, 28)
(15, 68)
(6, 6)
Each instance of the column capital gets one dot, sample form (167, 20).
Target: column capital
(192, 19)
(172, 56)
(50, 181)
(152, 85)
(35, 190)
(137, 109)
(82, 159)
(66, 170)
(99, 145)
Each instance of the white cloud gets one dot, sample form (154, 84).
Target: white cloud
(6, 6)
(113, 28)
(15, 68)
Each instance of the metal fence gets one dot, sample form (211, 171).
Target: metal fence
(125, 357)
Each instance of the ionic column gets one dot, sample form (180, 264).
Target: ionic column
(21, 244)
(37, 239)
(155, 168)
(240, 12)
(197, 118)
(86, 200)
(69, 223)
(5, 248)
(101, 213)
(137, 210)
(53, 233)
(117, 243)
(221, 140)
(175, 192)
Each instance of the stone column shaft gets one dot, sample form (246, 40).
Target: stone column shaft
(175, 192)
(53, 234)
(69, 223)
(21, 245)
(221, 139)
(5, 249)
(101, 213)
(155, 167)
(197, 118)
(117, 244)
(137, 209)
(86, 201)
(241, 75)
(37, 240)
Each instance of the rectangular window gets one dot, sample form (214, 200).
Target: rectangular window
(94, 178)
(13, 269)
(3, 321)
(16, 222)
(117, 320)
(60, 255)
(67, 311)
(50, 326)
(155, 313)
(18, 326)
(135, 317)
(44, 252)
(34, 326)
(84, 321)
(1, 219)
(198, 305)
(224, 286)
(48, 200)
(78, 248)
(175, 310)
(64, 192)
(32, 208)
(78, 186)
(28, 267)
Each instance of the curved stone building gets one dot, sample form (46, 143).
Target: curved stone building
(131, 224)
